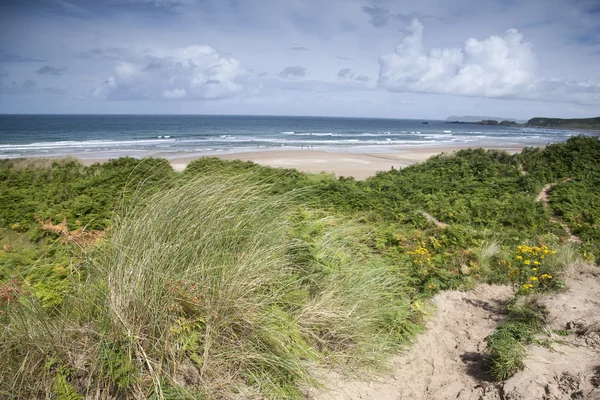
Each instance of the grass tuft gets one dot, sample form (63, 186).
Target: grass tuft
(507, 345)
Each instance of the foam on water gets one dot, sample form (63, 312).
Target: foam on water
(113, 136)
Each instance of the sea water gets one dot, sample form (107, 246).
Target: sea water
(108, 136)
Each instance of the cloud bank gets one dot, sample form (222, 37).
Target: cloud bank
(184, 73)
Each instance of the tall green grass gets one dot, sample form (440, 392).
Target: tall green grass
(209, 288)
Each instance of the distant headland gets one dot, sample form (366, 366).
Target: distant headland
(537, 122)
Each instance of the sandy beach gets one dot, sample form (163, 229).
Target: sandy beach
(359, 165)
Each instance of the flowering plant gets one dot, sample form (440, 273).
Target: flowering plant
(529, 270)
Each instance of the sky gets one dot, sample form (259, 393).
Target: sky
(354, 58)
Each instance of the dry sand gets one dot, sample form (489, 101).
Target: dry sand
(448, 360)
(444, 362)
(358, 165)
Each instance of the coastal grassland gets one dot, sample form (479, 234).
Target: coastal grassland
(205, 288)
(127, 279)
(574, 170)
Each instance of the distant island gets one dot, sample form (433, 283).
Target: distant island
(477, 118)
(537, 122)
(491, 122)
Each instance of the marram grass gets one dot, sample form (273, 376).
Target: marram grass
(208, 289)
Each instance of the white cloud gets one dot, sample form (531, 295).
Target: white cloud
(493, 67)
(496, 67)
(193, 72)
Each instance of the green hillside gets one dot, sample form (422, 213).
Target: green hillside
(570, 123)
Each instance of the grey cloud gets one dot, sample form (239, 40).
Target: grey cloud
(160, 6)
(3, 73)
(48, 70)
(153, 66)
(294, 72)
(111, 53)
(348, 75)
(344, 58)
(88, 9)
(344, 73)
(90, 53)
(298, 48)
(379, 16)
(28, 84)
(25, 87)
(9, 57)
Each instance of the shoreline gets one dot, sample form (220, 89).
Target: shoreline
(359, 165)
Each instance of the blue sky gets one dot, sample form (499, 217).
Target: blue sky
(377, 58)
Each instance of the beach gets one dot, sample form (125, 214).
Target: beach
(357, 164)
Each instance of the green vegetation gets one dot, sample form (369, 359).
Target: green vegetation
(129, 280)
(569, 123)
(574, 169)
(533, 271)
(507, 345)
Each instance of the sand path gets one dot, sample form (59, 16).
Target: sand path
(448, 362)
(543, 197)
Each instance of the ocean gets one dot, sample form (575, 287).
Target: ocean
(110, 136)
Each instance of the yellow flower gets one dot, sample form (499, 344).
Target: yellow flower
(519, 257)
(546, 276)
(534, 269)
(527, 286)
(533, 278)
(527, 262)
(536, 263)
